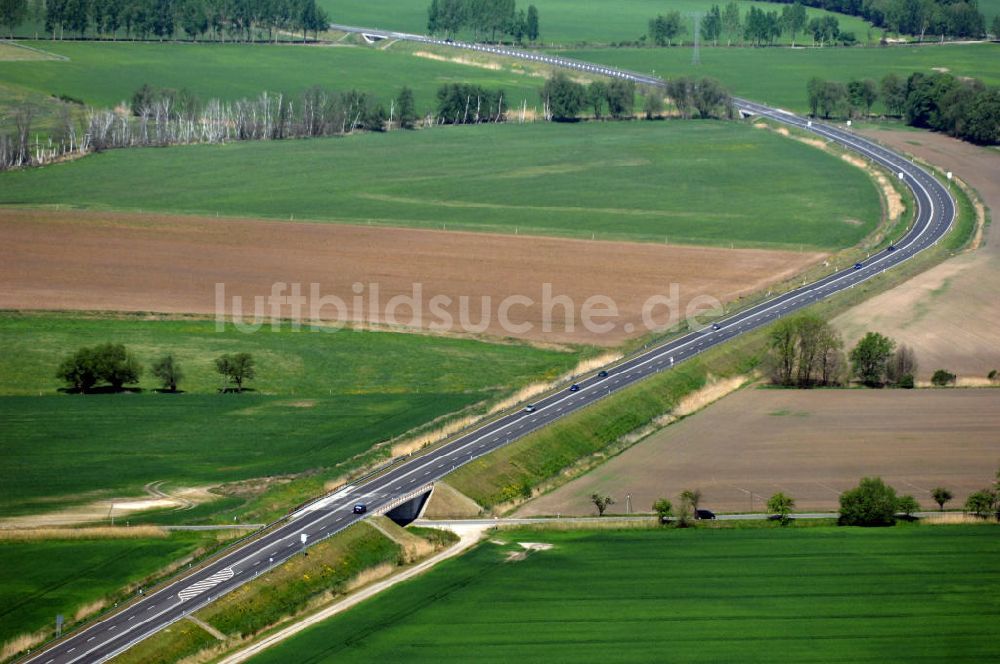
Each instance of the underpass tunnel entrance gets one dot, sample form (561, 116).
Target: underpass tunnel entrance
(411, 510)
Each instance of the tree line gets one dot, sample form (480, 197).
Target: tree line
(564, 99)
(483, 17)
(961, 107)
(871, 503)
(755, 27)
(758, 27)
(237, 20)
(947, 18)
(806, 351)
(111, 367)
(162, 117)
(465, 103)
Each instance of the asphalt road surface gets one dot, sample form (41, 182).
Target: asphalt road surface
(148, 614)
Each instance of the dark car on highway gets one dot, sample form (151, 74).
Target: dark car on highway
(704, 514)
(574, 388)
(602, 374)
(360, 508)
(858, 266)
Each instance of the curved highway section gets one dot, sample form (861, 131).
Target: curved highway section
(115, 633)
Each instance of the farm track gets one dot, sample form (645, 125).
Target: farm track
(330, 514)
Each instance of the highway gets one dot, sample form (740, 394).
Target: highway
(112, 634)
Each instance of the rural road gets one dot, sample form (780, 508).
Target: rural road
(114, 633)
(583, 521)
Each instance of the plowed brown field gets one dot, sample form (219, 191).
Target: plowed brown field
(949, 314)
(810, 444)
(125, 262)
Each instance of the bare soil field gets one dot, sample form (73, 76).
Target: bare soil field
(809, 444)
(101, 261)
(949, 314)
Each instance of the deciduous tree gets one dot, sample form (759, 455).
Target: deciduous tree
(12, 13)
(781, 505)
(597, 96)
(982, 503)
(168, 371)
(793, 18)
(893, 90)
(732, 24)
(79, 370)
(871, 503)
(902, 366)
(621, 98)
(803, 351)
(664, 28)
(711, 99)
(907, 505)
(941, 496)
(870, 357)
(862, 94)
(681, 92)
(691, 498)
(563, 98)
(652, 104)
(943, 378)
(814, 89)
(236, 367)
(664, 510)
(531, 27)
(407, 109)
(116, 365)
(601, 502)
(711, 25)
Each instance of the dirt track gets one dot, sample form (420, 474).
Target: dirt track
(122, 262)
(809, 444)
(950, 314)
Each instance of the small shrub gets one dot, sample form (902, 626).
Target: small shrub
(981, 503)
(69, 100)
(906, 382)
(907, 505)
(943, 377)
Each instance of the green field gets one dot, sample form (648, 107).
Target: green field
(320, 399)
(695, 182)
(43, 578)
(779, 76)
(106, 73)
(908, 594)
(563, 21)
(290, 363)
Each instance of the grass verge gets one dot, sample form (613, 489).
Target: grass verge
(332, 568)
